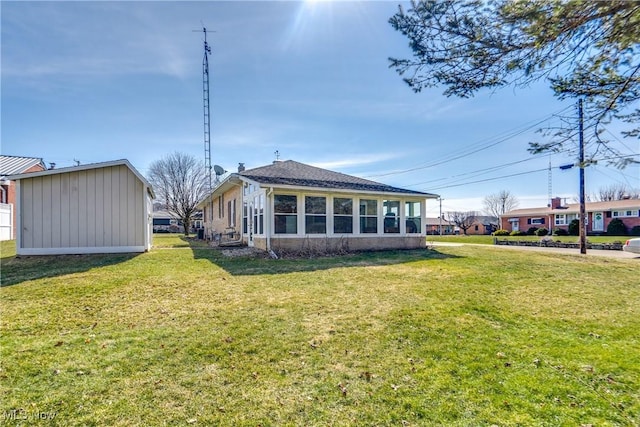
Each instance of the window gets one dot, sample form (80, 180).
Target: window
(231, 213)
(315, 218)
(245, 218)
(285, 210)
(561, 219)
(221, 206)
(391, 211)
(413, 221)
(342, 215)
(261, 214)
(368, 216)
(535, 221)
(617, 214)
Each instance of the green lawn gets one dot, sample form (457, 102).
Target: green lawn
(488, 240)
(466, 336)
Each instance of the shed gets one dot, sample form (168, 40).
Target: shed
(94, 208)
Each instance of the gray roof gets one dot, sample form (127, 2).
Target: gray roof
(12, 165)
(292, 173)
(87, 166)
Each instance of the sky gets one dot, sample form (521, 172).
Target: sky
(98, 81)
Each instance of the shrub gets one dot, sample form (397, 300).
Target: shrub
(532, 231)
(616, 228)
(501, 233)
(574, 227)
(635, 231)
(517, 233)
(542, 232)
(560, 232)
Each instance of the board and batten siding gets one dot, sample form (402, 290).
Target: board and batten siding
(94, 210)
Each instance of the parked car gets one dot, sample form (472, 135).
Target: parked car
(632, 245)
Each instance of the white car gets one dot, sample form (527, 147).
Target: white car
(632, 245)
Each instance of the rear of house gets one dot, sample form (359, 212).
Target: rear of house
(290, 206)
(97, 208)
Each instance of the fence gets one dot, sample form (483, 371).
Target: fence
(6, 221)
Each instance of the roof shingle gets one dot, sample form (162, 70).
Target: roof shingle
(293, 173)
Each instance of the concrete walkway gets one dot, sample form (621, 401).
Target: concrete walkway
(568, 251)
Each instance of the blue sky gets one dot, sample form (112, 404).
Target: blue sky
(99, 81)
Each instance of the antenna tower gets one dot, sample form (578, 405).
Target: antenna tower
(207, 112)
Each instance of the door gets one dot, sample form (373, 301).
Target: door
(251, 225)
(598, 222)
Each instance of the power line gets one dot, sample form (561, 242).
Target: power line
(488, 179)
(521, 173)
(479, 171)
(488, 143)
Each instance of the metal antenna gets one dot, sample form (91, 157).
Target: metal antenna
(207, 111)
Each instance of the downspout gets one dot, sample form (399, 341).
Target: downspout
(268, 215)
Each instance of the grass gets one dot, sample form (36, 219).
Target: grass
(488, 240)
(184, 336)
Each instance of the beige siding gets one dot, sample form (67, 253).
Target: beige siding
(91, 208)
(221, 216)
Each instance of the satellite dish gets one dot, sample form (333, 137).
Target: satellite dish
(219, 170)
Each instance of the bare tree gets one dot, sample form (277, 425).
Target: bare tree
(499, 203)
(615, 192)
(179, 181)
(462, 220)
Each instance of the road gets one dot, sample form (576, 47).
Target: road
(569, 251)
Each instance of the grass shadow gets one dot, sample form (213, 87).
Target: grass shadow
(258, 263)
(18, 269)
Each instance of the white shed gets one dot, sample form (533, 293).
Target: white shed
(94, 208)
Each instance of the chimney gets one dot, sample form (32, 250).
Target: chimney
(240, 167)
(556, 202)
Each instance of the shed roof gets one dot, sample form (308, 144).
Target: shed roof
(292, 173)
(88, 166)
(12, 165)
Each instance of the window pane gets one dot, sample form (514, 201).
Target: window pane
(413, 225)
(369, 225)
(315, 205)
(286, 224)
(368, 207)
(285, 204)
(391, 207)
(413, 209)
(342, 206)
(391, 223)
(343, 224)
(315, 224)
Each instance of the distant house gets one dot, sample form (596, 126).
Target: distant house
(599, 215)
(12, 165)
(166, 222)
(94, 208)
(483, 225)
(289, 205)
(433, 226)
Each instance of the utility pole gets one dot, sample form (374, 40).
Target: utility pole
(583, 217)
(440, 216)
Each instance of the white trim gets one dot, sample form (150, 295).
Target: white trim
(18, 215)
(81, 250)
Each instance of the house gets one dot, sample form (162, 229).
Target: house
(12, 165)
(94, 208)
(292, 206)
(483, 225)
(557, 215)
(166, 222)
(433, 226)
